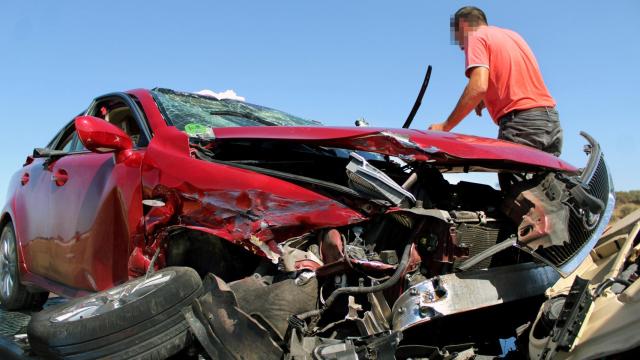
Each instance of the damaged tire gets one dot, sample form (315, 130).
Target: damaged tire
(140, 319)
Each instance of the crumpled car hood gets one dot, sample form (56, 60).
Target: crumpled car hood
(433, 146)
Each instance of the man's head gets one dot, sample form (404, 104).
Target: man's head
(464, 20)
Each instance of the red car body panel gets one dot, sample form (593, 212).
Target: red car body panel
(81, 224)
(427, 144)
(439, 147)
(148, 104)
(238, 205)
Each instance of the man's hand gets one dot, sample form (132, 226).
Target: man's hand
(479, 108)
(439, 127)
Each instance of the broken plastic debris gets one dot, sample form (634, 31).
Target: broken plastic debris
(270, 254)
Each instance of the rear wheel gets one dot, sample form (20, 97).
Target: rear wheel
(140, 319)
(14, 295)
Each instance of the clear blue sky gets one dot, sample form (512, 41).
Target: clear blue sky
(333, 61)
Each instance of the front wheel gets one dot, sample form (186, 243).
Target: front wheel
(14, 295)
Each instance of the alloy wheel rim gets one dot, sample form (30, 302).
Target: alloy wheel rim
(7, 264)
(117, 297)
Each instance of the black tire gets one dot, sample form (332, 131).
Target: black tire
(147, 326)
(14, 295)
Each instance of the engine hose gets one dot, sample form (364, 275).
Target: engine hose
(397, 275)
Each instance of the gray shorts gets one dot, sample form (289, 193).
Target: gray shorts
(538, 128)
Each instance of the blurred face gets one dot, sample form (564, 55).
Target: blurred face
(458, 32)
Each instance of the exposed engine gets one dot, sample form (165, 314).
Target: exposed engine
(427, 250)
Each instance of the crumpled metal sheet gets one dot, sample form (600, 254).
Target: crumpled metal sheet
(252, 210)
(408, 144)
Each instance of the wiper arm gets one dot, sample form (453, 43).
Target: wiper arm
(245, 115)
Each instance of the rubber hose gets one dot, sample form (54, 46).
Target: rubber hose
(397, 275)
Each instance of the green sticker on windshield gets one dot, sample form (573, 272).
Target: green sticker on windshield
(198, 130)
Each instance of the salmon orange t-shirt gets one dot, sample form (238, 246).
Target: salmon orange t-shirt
(515, 82)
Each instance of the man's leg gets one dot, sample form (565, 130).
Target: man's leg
(538, 129)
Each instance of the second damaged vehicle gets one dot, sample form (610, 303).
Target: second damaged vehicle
(314, 242)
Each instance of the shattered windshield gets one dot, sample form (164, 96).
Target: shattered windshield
(197, 114)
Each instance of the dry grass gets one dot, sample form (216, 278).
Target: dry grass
(626, 203)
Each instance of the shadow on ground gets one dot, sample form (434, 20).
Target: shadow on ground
(15, 322)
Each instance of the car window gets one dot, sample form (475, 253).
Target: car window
(116, 112)
(68, 142)
(78, 145)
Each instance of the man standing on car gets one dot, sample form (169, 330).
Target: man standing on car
(503, 76)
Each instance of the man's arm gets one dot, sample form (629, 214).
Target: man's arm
(471, 96)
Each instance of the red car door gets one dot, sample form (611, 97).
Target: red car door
(91, 196)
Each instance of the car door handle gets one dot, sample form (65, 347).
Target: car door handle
(60, 177)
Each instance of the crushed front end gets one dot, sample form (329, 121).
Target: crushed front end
(358, 247)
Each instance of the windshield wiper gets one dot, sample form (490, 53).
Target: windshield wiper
(245, 115)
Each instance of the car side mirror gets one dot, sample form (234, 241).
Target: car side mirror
(100, 136)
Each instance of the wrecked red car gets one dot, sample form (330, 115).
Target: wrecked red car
(332, 240)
